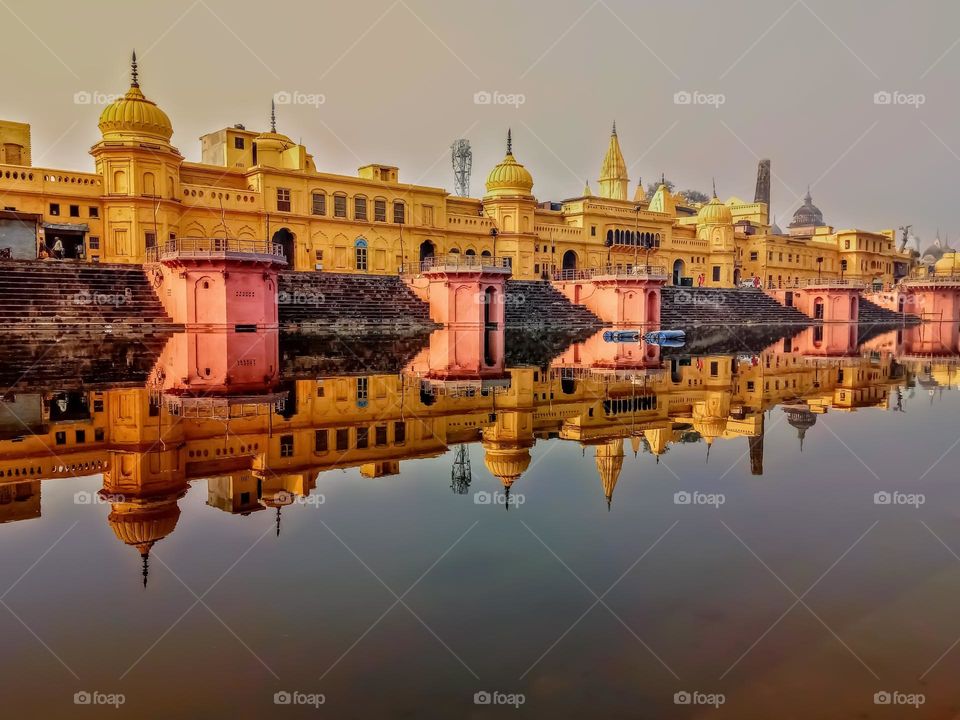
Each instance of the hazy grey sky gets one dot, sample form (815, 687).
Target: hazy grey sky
(398, 80)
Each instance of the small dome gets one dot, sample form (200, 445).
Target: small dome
(710, 428)
(807, 214)
(948, 262)
(715, 213)
(134, 116)
(508, 464)
(142, 524)
(509, 177)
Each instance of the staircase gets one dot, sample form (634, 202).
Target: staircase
(871, 313)
(536, 303)
(312, 302)
(68, 296)
(691, 307)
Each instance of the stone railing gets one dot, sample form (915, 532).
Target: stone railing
(214, 248)
(645, 272)
(456, 261)
(924, 275)
(833, 283)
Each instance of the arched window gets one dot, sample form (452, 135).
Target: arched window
(454, 251)
(609, 237)
(360, 254)
(485, 254)
(470, 252)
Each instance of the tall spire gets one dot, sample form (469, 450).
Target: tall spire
(509, 142)
(714, 180)
(273, 116)
(134, 79)
(614, 182)
(146, 566)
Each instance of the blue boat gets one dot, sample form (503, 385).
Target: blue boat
(621, 336)
(666, 338)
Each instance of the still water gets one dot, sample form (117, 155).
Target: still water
(766, 528)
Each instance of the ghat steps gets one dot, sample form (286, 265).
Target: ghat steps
(691, 307)
(536, 303)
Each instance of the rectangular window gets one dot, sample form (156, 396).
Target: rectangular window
(319, 204)
(754, 255)
(428, 215)
(340, 206)
(286, 446)
(238, 143)
(54, 208)
(94, 212)
(343, 439)
(380, 210)
(359, 208)
(98, 434)
(593, 231)
(363, 435)
(320, 441)
(399, 212)
(94, 242)
(400, 432)
(380, 435)
(60, 438)
(283, 199)
(150, 240)
(81, 436)
(74, 211)
(362, 390)
(716, 273)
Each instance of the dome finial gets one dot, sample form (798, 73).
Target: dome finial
(614, 128)
(809, 197)
(134, 75)
(509, 142)
(663, 178)
(146, 566)
(714, 187)
(273, 116)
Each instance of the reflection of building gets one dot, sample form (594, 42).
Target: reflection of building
(263, 454)
(264, 186)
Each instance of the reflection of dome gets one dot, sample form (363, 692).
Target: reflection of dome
(714, 213)
(142, 522)
(609, 459)
(710, 428)
(807, 214)
(506, 463)
(802, 419)
(509, 177)
(134, 116)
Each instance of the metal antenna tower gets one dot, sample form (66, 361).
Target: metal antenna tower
(462, 158)
(460, 475)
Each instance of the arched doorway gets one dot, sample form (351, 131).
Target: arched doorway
(285, 239)
(569, 260)
(736, 277)
(677, 271)
(427, 250)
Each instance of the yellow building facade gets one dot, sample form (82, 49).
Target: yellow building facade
(263, 186)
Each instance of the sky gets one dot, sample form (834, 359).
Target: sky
(856, 99)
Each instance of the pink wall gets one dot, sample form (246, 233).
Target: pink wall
(195, 360)
(462, 298)
(841, 305)
(619, 301)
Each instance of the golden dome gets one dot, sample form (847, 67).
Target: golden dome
(509, 177)
(142, 524)
(134, 116)
(948, 263)
(508, 463)
(715, 213)
(710, 428)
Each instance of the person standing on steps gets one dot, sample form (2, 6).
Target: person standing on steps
(57, 248)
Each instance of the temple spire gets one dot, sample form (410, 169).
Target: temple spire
(614, 180)
(134, 75)
(614, 128)
(714, 187)
(273, 116)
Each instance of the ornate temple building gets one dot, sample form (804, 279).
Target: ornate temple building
(253, 185)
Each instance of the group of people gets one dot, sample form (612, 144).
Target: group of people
(755, 282)
(57, 251)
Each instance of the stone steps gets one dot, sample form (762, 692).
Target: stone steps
(870, 312)
(310, 301)
(692, 307)
(536, 303)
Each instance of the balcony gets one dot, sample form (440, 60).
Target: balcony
(180, 249)
(639, 272)
(455, 262)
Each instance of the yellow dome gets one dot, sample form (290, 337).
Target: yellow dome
(134, 116)
(508, 464)
(714, 213)
(141, 525)
(948, 263)
(509, 177)
(710, 428)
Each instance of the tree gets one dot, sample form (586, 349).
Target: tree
(652, 187)
(695, 196)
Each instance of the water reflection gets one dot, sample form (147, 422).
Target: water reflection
(254, 423)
